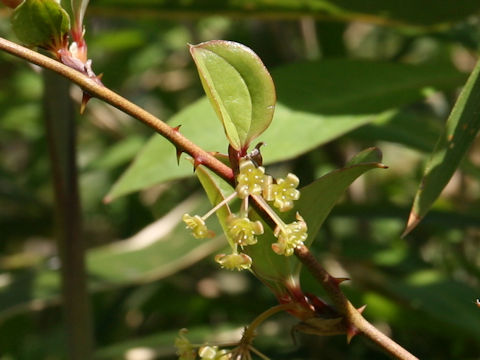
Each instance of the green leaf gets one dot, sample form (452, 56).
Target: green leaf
(331, 100)
(460, 131)
(318, 198)
(159, 250)
(378, 11)
(448, 301)
(239, 88)
(345, 86)
(42, 23)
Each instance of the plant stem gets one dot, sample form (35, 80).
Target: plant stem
(94, 89)
(345, 307)
(61, 135)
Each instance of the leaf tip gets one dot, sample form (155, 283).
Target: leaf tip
(107, 199)
(413, 220)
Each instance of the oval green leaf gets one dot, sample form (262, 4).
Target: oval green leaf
(239, 87)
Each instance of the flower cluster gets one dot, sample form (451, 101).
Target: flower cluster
(252, 182)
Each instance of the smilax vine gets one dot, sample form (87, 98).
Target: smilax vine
(274, 224)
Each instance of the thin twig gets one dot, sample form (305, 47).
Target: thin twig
(345, 307)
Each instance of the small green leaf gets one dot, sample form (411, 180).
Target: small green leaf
(239, 88)
(42, 23)
(460, 131)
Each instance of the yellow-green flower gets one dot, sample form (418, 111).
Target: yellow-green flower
(243, 230)
(212, 353)
(283, 193)
(251, 180)
(235, 261)
(198, 227)
(290, 236)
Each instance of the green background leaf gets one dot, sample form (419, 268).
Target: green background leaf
(461, 129)
(422, 12)
(318, 102)
(157, 251)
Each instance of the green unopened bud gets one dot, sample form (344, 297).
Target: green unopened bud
(42, 23)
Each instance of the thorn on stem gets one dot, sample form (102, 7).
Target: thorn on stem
(351, 332)
(361, 308)
(85, 98)
(197, 161)
(179, 153)
(339, 280)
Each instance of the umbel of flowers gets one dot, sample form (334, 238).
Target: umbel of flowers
(252, 182)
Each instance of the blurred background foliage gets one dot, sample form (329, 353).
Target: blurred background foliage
(383, 73)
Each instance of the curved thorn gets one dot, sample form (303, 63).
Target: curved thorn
(351, 332)
(361, 308)
(85, 98)
(179, 153)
